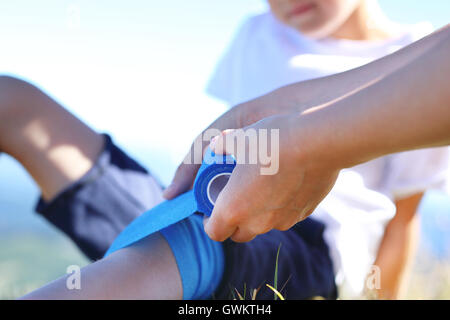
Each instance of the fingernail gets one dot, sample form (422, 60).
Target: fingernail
(169, 190)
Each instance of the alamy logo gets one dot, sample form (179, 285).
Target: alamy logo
(373, 280)
(250, 146)
(73, 281)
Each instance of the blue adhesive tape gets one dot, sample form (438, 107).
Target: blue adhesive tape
(211, 178)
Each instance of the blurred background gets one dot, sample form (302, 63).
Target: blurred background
(137, 70)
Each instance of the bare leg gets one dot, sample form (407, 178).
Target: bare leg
(57, 149)
(146, 270)
(54, 146)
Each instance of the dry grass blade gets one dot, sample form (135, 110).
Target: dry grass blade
(255, 292)
(239, 295)
(275, 291)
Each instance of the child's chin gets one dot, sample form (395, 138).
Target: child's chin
(307, 28)
(312, 32)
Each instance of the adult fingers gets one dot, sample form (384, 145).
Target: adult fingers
(242, 235)
(187, 171)
(182, 181)
(219, 144)
(224, 219)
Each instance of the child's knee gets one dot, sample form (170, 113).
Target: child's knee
(9, 81)
(200, 260)
(11, 84)
(12, 90)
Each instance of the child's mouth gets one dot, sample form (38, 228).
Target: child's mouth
(302, 9)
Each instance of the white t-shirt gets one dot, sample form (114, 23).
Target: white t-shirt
(265, 55)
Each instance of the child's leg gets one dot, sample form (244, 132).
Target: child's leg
(186, 263)
(90, 188)
(54, 147)
(178, 262)
(110, 189)
(146, 270)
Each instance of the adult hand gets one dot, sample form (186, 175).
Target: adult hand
(275, 102)
(253, 203)
(300, 96)
(316, 144)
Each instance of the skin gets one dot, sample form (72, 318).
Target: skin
(321, 148)
(27, 120)
(282, 109)
(299, 97)
(311, 130)
(325, 19)
(123, 275)
(44, 137)
(315, 145)
(57, 149)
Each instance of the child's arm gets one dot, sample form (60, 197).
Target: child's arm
(146, 270)
(397, 248)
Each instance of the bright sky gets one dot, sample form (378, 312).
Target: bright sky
(137, 69)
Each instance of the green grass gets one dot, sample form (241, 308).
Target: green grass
(275, 278)
(28, 261)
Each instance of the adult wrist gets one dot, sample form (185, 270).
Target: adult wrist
(316, 142)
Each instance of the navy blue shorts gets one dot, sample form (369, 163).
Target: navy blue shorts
(304, 271)
(95, 209)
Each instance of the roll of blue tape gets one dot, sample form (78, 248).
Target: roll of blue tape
(211, 179)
